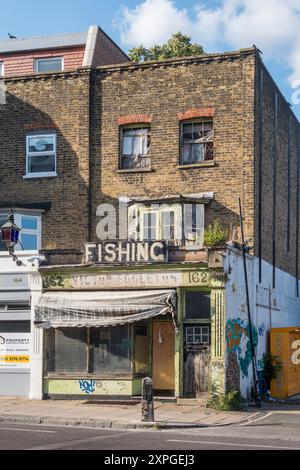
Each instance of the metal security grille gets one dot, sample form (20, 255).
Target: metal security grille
(66, 350)
(88, 350)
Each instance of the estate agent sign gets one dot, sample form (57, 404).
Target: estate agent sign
(14, 350)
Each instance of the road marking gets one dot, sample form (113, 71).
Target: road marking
(28, 430)
(61, 445)
(255, 420)
(233, 444)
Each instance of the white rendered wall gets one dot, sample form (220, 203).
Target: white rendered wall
(15, 286)
(36, 376)
(270, 308)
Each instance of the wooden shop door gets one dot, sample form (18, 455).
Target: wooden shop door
(163, 355)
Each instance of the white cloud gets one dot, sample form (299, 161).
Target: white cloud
(273, 25)
(153, 21)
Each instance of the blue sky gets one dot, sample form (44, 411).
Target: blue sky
(219, 25)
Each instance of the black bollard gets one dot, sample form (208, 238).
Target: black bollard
(147, 400)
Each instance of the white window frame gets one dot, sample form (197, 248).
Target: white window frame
(190, 330)
(182, 234)
(45, 59)
(1, 69)
(159, 209)
(29, 154)
(18, 214)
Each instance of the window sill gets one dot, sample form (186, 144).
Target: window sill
(20, 253)
(39, 175)
(87, 376)
(135, 170)
(197, 165)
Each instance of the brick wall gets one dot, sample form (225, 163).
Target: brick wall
(23, 62)
(107, 52)
(227, 86)
(164, 91)
(276, 216)
(59, 102)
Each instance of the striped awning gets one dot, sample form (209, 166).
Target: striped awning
(87, 309)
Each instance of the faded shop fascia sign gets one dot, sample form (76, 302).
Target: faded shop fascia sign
(119, 252)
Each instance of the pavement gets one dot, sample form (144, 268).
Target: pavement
(84, 413)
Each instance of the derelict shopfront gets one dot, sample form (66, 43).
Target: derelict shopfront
(105, 328)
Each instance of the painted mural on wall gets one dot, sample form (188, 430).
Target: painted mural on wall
(238, 340)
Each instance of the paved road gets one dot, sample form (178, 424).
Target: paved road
(277, 430)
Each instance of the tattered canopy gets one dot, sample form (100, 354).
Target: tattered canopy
(87, 309)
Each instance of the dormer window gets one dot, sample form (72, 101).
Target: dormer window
(50, 64)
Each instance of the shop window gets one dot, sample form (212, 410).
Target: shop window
(66, 350)
(40, 155)
(30, 235)
(135, 147)
(196, 142)
(197, 305)
(89, 350)
(110, 350)
(140, 335)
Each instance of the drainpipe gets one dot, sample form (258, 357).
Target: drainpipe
(257, 398)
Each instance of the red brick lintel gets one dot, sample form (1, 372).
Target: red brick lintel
(196, 113)
(39, 126)
(134, 119)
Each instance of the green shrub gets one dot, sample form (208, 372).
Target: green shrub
(214, 235)
(271, 367)
(230, 401)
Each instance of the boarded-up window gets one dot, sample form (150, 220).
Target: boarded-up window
(197, 305)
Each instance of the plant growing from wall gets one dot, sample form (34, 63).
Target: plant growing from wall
(271, 367)
(214, 235)
(229, 401)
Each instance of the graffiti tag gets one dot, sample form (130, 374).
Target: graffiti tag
(261, 329)
(87, 386)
